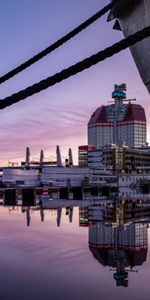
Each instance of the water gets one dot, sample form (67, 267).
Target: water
(105, 257)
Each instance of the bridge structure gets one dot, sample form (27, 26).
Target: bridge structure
(130, 16)
(134, 21)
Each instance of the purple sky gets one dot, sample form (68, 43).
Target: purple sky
(58, 115)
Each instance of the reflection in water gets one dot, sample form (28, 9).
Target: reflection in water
(29, 210)
(118, 237)
(119, 247)
(118, 231)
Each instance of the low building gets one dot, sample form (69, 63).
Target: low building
(83, 154)
(116, 158)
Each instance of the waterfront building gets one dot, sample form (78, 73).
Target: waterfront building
(83, 154)
(119, 158)
(63, 176)
(115, 158)
(120, 123)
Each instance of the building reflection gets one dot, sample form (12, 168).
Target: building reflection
(118, 230)
(28, 211)
(57, 211)
(118, 237)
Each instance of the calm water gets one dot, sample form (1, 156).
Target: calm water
(102, 253)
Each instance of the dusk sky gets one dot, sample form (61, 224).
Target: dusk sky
(58, 115)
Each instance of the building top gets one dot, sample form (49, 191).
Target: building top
(135, 113)
(87, 147)
(99, 116)
(127, 112)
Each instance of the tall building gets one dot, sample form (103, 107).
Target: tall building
(118, 123)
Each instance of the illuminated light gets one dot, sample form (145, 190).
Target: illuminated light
(45, 192)
(120, 276)
(119, 94)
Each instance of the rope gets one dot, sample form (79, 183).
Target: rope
(74, 69)
(57, 44)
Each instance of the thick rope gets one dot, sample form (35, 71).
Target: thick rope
(74, 69)
(57, 44)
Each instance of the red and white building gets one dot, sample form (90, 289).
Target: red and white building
(119, 123)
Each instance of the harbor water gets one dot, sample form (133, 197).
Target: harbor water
(93, 252)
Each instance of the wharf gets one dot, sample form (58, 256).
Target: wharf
(29, 194)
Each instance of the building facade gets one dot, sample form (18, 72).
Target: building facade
(119, 158)
(118, 123)
(115, 158)
(83, 154)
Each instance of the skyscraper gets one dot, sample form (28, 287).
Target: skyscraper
(118, 123)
